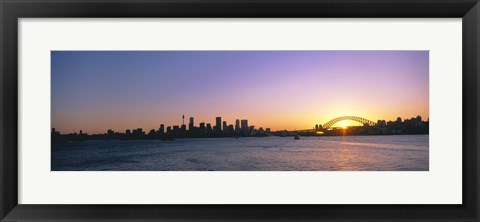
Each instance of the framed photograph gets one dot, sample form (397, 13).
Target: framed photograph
(227, 110)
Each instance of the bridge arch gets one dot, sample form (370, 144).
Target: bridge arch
(361, 120)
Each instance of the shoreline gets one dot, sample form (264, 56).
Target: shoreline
(272, 136)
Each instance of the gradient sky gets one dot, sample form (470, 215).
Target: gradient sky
(98, 90)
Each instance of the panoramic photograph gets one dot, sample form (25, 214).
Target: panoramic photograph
(254, 110)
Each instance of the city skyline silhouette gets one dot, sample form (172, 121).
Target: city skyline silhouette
(241, 127)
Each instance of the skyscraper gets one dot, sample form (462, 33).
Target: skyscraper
(191, 124)
(218, 123)
(176, 129)
(161, 130)
(244, 124)
(237, 125)
(224, 125)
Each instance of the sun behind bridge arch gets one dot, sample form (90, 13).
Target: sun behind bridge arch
(361, 120)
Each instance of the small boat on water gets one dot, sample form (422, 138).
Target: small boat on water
(296, 137)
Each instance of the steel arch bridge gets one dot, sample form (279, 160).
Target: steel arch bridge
(361, 120)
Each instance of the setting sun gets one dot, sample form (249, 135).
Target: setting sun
(344, 124)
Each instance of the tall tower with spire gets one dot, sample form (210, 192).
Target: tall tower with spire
(183, 119)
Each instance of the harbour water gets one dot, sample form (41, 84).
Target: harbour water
(347, 153)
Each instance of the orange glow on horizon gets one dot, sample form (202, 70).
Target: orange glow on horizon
(274, 122)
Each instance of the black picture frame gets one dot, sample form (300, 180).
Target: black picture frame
(12, 10)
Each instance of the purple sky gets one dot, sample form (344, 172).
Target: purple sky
(98, 90)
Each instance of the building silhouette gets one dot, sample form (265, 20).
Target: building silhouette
(191, 124)
(161, 130)
(218, 124)
(244, 124)
(237, 125)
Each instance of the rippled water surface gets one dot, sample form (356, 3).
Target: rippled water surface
(349, 153)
